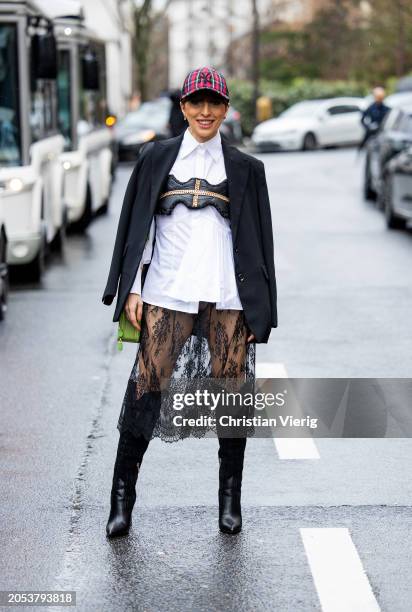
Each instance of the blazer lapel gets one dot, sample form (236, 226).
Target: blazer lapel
(164, 156)
(237, 171)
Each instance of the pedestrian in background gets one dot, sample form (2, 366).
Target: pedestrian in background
(197, 210)
(373, 116)
(176, 120)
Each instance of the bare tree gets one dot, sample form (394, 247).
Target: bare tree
(144, 19)
(255, 56)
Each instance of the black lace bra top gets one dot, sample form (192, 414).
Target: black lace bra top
(194, 193)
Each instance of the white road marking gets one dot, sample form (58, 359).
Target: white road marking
(296, 448)
(339, 576)
(287, 448)
(270, 370)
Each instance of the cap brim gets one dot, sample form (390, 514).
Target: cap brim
(213, 91)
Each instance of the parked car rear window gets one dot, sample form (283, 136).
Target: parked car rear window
(343, 109)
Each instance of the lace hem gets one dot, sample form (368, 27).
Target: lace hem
(179, 349)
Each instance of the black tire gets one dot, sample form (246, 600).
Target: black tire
(4, 276)
(392, 220)
(104, 209)
(35, 269)
(3, 301)
(83, 223)
(309, 142)
(59, 241)
(381, 193)
(368, 192)
(4, 295)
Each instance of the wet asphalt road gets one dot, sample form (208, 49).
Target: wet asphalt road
(344, 288)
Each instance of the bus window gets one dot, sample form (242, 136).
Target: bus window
(93, 104)
(63, 96)
(42, 109)
(10, 144)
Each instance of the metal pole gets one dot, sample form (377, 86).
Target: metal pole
(255, 57)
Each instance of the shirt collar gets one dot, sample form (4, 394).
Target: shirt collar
(189, 144)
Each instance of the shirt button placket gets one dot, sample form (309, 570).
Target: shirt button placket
(200, 162)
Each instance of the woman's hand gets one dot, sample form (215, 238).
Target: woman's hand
(250, 338)
(134, 310)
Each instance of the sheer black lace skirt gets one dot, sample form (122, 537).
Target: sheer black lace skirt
(178, 346)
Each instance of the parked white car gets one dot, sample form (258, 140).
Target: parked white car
(312, 124)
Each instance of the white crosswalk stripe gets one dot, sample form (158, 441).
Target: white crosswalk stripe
(340, 579)
(287, 448)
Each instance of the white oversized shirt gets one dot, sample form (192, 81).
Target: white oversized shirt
(192, 258)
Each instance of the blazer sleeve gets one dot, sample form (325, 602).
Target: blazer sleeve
(265, 219)
(122, 230)
(146, 258)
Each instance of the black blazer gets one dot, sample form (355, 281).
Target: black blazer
(250, 219)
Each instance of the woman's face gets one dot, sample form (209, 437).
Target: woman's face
(204, 112)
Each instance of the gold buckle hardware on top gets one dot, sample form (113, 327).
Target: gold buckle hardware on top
(196, 192)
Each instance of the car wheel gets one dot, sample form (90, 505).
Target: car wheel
(309, 142)
(368, 192)
(392, 220)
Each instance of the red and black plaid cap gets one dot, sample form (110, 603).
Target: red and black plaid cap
(205, 78)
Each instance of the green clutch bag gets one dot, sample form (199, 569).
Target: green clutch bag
(126, 332)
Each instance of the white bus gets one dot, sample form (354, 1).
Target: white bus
(82, 113)
(31, 173)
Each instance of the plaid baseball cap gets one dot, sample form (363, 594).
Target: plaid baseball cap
(205, 78)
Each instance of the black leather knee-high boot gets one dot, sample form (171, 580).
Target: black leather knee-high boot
(231, 455)
(129, 457)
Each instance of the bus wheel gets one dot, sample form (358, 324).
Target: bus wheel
(59, 240)
(35, 269)
(3, 297)
(4, 278)
(104, 208)
(83, 223)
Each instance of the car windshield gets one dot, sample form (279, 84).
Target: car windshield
(150, 115)
(303, 109)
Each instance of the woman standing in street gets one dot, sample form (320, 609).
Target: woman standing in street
(197, 210)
